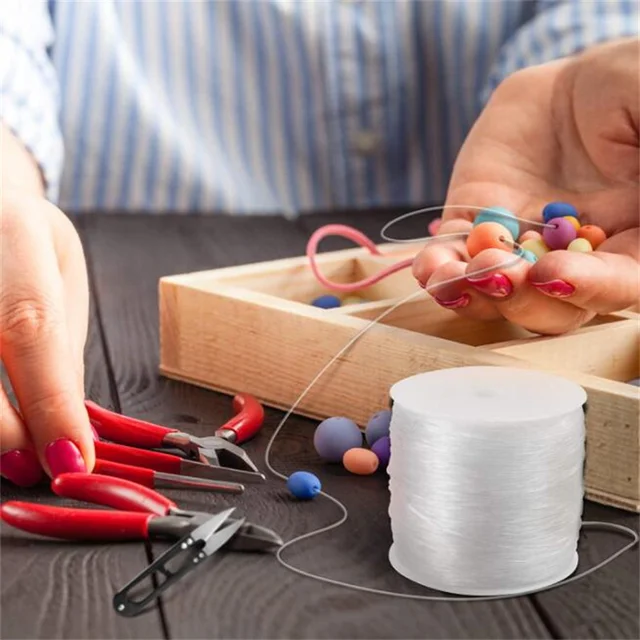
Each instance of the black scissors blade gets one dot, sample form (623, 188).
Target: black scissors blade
(184, 556)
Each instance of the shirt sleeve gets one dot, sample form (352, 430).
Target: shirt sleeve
(29, 91)
(560, 28)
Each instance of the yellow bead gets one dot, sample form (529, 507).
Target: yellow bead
(537, 247)
(573, 221)
(352, 300)
(582, 245)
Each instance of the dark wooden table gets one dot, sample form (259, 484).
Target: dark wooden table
(53, 589)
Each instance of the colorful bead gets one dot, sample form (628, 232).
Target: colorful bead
(529, 256)
(530, 235)
(326, 302)
(595, 235)
(574, 221)
(581, 245)
(334, 436)
(560, 234)
(360, 461)
(537, 247)
(304, 485)
(378, 426)
(488, 235)
(558, 210)
(501, 216)
(635, 382)
(382, 448)
(352, 300)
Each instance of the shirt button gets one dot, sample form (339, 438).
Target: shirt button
(366, 142)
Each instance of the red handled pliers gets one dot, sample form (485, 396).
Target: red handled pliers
(216, 457)
(141, 514)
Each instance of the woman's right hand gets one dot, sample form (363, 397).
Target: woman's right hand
(44, 304)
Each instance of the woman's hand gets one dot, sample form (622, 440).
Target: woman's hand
(564, 131)
(43, 328)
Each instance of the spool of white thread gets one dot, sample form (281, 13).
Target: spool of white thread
(486, 479)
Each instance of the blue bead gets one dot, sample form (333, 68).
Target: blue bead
(327, 302)
(558, 210)
(333, 437)
(501, 216)
(378, 426)
(304, 485)
(529, 256)
(382, 448)
(635, 382)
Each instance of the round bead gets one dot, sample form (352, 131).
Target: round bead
(635, 382)
(580, 245)
(360, 461)
(573, 221)
(304, 485)
(530, 235)
(558, 210)
(326, 302)
(537, 247)
(352, 300)
(382, 449)
(334, 436)
(378, 426)
(488, 235)
(529, 256)
(560, 235)
(501, 216)
(595, 235)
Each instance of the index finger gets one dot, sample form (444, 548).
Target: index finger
(36, 351)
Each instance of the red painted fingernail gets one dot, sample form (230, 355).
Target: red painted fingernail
(496, 285)
(458, 303)
(64, 457)
(21, 466)
(555, 288)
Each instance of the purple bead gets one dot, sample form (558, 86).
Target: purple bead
(378, 426)
(382, 448)
(561, 235)
(335, 436)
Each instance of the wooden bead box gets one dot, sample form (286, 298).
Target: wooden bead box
(252, 328)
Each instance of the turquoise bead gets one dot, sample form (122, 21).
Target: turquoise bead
(529, 256)
(501, 216)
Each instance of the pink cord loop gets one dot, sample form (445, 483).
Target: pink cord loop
(359, 238)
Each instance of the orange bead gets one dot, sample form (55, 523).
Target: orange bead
(488, 235)
(595, 235)
(573, 221)
(530, 235)
(360, 461)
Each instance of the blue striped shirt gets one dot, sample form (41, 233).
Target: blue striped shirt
(268, 106)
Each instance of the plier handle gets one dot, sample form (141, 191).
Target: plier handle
(140, 513)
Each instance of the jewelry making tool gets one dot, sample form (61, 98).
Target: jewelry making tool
(186, 555)
(140, 514)
(219, 452)
(160, 480)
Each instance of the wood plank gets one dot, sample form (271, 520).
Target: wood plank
(56, 589)
(250, 596)
(604, 605)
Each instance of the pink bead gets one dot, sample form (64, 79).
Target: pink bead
(562, 233)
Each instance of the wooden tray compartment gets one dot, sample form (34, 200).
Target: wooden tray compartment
(252, 329)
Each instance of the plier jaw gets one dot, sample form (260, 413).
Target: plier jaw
(219, 450)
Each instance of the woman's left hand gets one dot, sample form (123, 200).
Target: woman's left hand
(564, 131)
